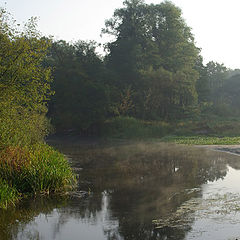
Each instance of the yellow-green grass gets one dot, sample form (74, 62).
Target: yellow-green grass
(36, 170)
(202, 140)
(132, 128)
(8, 195)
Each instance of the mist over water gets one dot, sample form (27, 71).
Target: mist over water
(136, 191)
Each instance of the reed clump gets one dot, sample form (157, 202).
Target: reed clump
(8, 194)
(36, 170)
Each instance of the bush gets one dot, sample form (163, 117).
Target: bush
(22, 127)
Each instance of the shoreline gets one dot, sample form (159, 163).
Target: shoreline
(230, 149)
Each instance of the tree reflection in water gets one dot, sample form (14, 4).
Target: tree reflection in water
(130, 185)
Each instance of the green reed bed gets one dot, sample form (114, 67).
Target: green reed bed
(36, 170)
(8, 195)
(132, 128)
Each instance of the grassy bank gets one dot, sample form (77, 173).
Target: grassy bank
(202, 140)
(26, 171)
(202, 131)
(132, 128)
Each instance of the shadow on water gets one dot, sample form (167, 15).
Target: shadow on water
(130, 185)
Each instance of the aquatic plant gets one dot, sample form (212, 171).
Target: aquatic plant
(39, 169)
(132, 128)
(8, 195)
(202, 140)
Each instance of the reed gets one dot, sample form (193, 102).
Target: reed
(132, 128)
(36, 170)
(8, 195)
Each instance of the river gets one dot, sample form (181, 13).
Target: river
(135, 191)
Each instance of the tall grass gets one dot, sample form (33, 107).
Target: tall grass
(202, 140)
(39, 169)
(8, 195)
(50, 170)
(199, 131)
(129, 127)
(215, 127)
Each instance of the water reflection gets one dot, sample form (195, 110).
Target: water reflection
(130, 185)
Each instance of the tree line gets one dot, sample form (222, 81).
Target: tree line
(152, 71)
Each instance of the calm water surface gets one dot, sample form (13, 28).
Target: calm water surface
(136, 191)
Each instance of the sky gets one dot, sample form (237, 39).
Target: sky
(214, 23)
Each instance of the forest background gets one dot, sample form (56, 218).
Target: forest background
(151, 81)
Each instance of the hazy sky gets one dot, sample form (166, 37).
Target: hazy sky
(214, 23)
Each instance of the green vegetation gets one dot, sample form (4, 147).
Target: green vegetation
(198, 132)
(129, 127)
(8, 195)
(24, 84)
(202, 140)
(40, 169)
(151, 79)
(148, 71)
(151, 83)
(27, 165)
(81, 91)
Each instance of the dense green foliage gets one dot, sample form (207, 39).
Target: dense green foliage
(148, 71)
(24, 84)
(151, 82)
(152, 71)
(132, 128)
(27, 165)
(154, 53)
(222, 131)
(80, 84)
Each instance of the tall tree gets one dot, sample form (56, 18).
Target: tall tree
(126, 52)
(151, 40)
(24, 83)
(80, 84)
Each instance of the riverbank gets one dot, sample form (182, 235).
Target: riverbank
(202, 140)
(211, 129)
(231, 149)
(43, 170)
(138, 181)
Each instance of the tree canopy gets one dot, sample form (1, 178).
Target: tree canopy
(152, 70)
(24, 82)
(154, 49)
(80, 84)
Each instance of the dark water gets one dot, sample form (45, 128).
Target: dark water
(142, 191)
